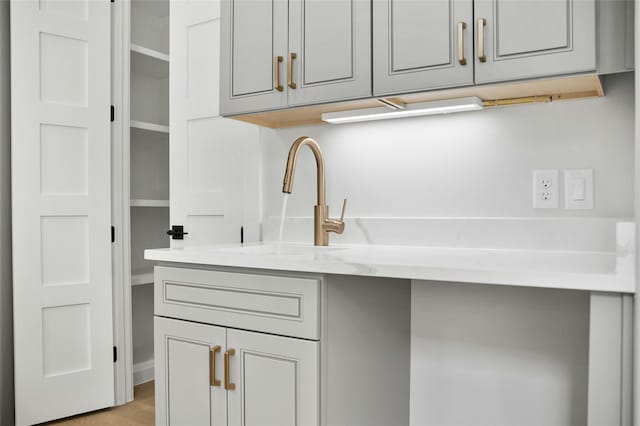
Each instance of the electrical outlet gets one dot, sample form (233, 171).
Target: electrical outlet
(546, 189)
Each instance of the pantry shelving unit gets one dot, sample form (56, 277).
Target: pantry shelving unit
(145, 204)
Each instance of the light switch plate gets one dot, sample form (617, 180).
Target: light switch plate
(578, 189)
(546, 189)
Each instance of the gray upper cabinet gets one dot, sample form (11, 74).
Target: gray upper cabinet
(330, 50)
(421, 45)
(518, 39)
(287, 53)
(253, 53)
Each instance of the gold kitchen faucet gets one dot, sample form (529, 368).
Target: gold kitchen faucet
(322, 225)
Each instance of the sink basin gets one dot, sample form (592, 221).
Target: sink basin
(281, 250)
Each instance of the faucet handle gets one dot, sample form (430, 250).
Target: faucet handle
(344, 206)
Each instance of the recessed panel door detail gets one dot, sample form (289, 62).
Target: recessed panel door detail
(189, 373)
(421, 45)
(275, 380)
(517, 39)
(61, 174)
(329, 51)
(254, 43)
(210, 162)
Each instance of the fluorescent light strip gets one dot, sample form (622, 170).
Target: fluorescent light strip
(411, 110)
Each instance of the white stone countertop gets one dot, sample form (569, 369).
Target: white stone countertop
(579, 270)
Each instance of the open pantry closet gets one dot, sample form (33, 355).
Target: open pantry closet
(141, 147)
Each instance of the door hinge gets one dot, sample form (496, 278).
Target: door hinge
(242, 235)
(113, 111)
(113, 234)
(115, 354)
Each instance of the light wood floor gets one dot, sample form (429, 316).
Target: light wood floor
(139, 412)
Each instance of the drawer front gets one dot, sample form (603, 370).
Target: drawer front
(278, 304)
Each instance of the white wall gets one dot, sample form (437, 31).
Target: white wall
(476, 166)
(6, 314)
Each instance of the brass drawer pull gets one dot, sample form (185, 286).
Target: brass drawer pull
(290, 82)
(227, 382)
(276, 82)
(461, 27)
(481, 24)
(212, 366)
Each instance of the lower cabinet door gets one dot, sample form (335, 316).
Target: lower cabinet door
(275, 380)
(188, 364)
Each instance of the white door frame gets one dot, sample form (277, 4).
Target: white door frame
(122, 304)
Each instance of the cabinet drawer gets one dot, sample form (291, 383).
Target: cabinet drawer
(286, 305)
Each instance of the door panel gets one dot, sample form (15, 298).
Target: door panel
(332, 41)
(253, 34)
(214, 178)
(416, 45)
(60, 53)
(251, 48)
(276, 380)
(514, 19)
(184, 395)
(527, 38)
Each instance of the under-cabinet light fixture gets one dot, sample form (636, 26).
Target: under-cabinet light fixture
(410, 110)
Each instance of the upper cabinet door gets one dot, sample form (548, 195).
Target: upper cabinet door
(253, 54)
(61, 190)
(275, 378)
(329, 50)
(421, 45)
(518, 39)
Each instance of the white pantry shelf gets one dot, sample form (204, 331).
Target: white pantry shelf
(136, 48)
(142, 279)
(149, 62)
(160, 128)
(149, 203)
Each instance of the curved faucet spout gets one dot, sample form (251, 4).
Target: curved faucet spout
(287, 184)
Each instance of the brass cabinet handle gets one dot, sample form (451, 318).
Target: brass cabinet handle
(276, 82)
(227, 382)
(461, 27)
(290, 82)
(481, 24)
(212, 366)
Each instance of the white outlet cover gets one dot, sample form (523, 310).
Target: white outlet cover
(578, 192)
(546, 189)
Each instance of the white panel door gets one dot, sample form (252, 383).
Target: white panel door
(60, 53)
(214, 161)
(185, 369)
(276, 380)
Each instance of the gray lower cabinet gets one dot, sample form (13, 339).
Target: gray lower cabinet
(519, 39)
(243, 347)
(421, 45)
(209, 375)
(253, 49)
(331, 42)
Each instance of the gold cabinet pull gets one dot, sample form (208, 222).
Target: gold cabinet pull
(290, 82)
(481, 24)
(276, 81)
(227, 382)
(212, 366)
(461, 27)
